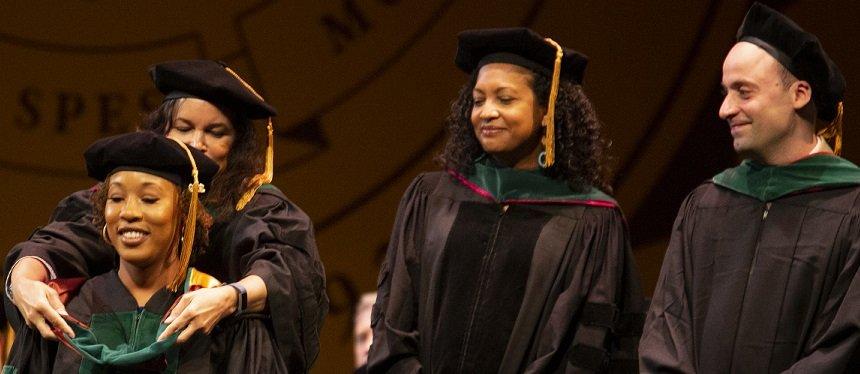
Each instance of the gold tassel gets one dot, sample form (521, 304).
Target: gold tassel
(834, 130)
(549, 118)
(269, 173)
(196, 188)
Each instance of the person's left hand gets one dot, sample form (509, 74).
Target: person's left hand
(199, 310)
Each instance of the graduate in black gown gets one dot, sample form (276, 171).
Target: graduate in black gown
(514, 259)
(149, 209)
(761, 273)
(260, 241)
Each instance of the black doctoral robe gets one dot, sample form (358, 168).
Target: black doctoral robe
(763, 281)
(115, 335)
(271, 237)
(473, 285)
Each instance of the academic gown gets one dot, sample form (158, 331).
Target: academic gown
(114, 335)
(761, 274)
(475, 282)
(271, 237)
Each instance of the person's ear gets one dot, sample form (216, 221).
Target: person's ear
(801, 93)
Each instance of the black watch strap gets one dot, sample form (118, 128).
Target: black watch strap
(242, 301)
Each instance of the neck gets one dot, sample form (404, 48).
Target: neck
(527, 163)
(519, 161)
(143, 282)
(791, 148)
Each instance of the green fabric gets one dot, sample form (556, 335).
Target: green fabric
(7, 369)
(106, 342)
(766, 183)
(507, 184)
(125, 338)
(267, 186)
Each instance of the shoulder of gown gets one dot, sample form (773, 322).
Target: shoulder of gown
(274, 239)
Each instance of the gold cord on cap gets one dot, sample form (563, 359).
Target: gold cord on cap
(242, 81)
(190, 227)
(549, 118)
(268, 174)
(834, 130)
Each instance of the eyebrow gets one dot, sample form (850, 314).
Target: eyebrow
(498, 89)
(738, 83)
(512, 89)
(187, 122)
(144, 185)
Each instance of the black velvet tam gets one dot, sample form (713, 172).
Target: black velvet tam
(799, 51)
(149, 153)
(518, 46)
(210, 81)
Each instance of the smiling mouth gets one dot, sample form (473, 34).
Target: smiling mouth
(736, 127)
(131, 237)
(491, 130)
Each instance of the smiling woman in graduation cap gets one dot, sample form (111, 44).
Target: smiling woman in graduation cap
(514, 259)
(761, 273)
(149, 210)
(260, 242)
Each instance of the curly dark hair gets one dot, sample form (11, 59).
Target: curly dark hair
(580, 149)
(244, 161)
(201, 233)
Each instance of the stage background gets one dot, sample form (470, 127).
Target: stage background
(362, 87)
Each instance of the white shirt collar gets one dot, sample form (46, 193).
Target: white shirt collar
(821, 146)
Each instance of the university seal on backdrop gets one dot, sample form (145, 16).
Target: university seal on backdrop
(76, 71)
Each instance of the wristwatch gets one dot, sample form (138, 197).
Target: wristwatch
(242, 299)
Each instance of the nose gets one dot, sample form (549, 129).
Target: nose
(197, 141)
(130, 211)
(489, 112)
(728, 109)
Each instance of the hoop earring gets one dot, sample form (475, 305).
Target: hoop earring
(542, 159)
(104, 234)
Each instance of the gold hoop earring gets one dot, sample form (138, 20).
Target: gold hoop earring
(104, 234)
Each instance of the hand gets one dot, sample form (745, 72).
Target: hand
(40, 306)
(199, 310)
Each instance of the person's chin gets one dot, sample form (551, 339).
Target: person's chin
(744, 151)
(136, 257)
(495, 146)
(740, 144)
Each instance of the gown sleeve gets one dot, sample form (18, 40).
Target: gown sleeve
(835, 340)
(667, 339)
(243, 345)
(620, 282)
(595, 320)
(274, 240)
(394, 318)
(30, 353)
(69, 244)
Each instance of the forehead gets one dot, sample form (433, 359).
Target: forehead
(500, 73)
(200, 110)
(132, 179)
(746, 61)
